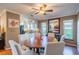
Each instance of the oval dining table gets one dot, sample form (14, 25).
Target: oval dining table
(37, 44)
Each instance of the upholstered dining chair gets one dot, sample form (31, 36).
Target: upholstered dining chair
(54, 48)
(51, 37)
(51, 34)
(37, 38)
(62, 38)
(17, 49)
(37, 35)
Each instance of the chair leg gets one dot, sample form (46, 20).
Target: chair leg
(37, 51)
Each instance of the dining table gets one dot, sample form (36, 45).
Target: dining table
(33, 44)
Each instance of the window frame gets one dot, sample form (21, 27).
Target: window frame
(72, 28)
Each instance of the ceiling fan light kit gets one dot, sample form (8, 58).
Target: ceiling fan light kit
(42, 9)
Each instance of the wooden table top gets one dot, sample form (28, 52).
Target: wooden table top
(38, 43)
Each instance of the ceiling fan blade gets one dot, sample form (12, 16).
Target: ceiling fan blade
(36, 12)
(49, 11)
(34, 9)
(44, 5)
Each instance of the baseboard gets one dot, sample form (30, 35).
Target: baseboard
(69, 44)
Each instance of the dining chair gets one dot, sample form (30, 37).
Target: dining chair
(37, 35)
(54, 48)
(62, 38)
(51, 37)
(17, 49)
(37, 38)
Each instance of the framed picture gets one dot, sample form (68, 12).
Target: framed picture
(54, 25)
(13, 23)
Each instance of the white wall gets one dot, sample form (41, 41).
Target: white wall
(78, 32)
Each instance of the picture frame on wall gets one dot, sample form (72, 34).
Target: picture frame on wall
(13, 23)
(54, 25)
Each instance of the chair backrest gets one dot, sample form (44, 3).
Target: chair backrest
(37, 39)
(37, 35)
(62, 38)
(55, 48)
(51, 36)
(15, 47)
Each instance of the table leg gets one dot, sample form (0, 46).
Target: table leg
(34, 49)
(30, 48)
(37, 51)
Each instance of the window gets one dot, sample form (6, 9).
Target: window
(22, 29)
(32, 27)
(68, 29)
(43, 28)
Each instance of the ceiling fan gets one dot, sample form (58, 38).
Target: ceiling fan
(42, 9)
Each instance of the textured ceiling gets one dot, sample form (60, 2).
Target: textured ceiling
(59, 9)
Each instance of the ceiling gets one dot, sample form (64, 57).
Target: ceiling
(59, 9)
